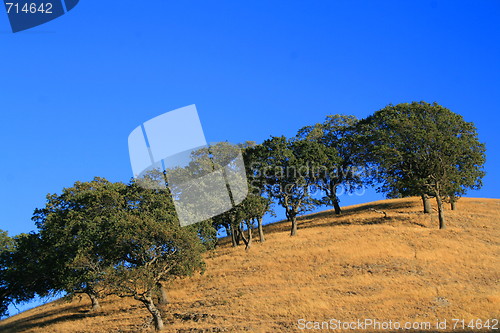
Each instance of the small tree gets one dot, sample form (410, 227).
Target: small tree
(254, 208)
(288, 169)
(342, 167)
(424, 148)
(227, 220)
(250, 211)
(258, 202)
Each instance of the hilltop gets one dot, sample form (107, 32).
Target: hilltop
(359, 265)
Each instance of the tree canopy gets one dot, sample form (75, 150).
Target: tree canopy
(338, 136)
(423, 148)
(288, 170)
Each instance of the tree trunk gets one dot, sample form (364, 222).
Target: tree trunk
(250, 238)
(261, 231)
(453, 202)
(336, 205)
(427, 204)
(335, 199)
(238, 234)
(162, 293)
(294, 226)
(233, 235)
(442, 223)
(150, 305)
(95, 301)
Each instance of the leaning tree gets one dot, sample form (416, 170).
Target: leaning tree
(154, 248)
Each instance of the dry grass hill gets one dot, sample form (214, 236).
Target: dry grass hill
(356, 266)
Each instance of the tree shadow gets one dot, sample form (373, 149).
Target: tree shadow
(362, 208)
(363, 221)
(377, 206)
(39, 321)
(331, 219)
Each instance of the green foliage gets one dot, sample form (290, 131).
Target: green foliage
(24, 273)
(195, 183)
(161, 250)
(6, 245)
(254, 207)
(78, 230)
(152, 230)
(206, 232)
(285, 170)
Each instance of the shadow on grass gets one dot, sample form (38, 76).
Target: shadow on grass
(330, 219)
(360, 209)
(40, 320)
(364, 221)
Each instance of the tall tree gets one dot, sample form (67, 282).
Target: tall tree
(425, 149)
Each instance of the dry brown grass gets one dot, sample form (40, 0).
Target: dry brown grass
(355, 266)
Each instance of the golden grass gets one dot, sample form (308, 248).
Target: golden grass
(355, 266)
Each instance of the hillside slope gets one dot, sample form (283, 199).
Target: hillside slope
(356, 266)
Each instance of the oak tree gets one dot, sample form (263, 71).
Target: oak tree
(425, 149)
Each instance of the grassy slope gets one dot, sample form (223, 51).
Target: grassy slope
(356, 266)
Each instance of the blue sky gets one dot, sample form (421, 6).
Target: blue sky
(73, 89)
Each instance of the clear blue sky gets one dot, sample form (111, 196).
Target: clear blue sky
(73, 89)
